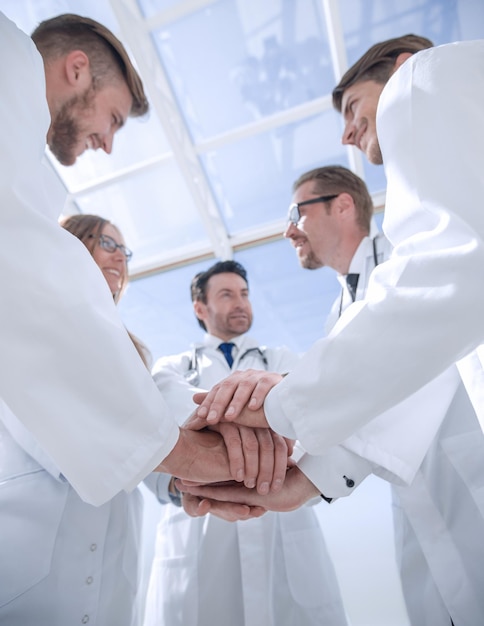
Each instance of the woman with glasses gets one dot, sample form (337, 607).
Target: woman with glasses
(106, 245)
(68, 562)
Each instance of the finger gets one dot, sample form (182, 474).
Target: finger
(266, 460)
(250, 447)
(199, 397)
(241, 395)
(281, 454)
(235, 493)
(195, 506)
(194, 422)
(234, 444)
(233, 512)
(265, 383)
(290, 445)
(218, 398)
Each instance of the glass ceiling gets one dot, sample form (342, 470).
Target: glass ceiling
(240, 95)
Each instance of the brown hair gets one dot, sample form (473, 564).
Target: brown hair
(108, 58)
(336, 179)
(87, 229)
(199, 284)
(377, 63)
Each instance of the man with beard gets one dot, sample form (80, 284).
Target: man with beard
(58, 320)
(275, 570)
(420, 325)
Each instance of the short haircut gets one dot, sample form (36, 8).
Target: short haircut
(377, 63)
(198, 286)
(336, 179)
(108, 58)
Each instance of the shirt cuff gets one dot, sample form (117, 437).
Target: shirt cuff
(337, 473)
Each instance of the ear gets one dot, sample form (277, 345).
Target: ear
(77, 69)
(401, 58)
(344, 205)
(200, 310)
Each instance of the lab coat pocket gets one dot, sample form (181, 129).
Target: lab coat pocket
(31, 508)
(310, 574)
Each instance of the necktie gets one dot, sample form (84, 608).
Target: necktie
(226, 349)
(352, 282)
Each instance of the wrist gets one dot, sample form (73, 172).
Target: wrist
(174, 493)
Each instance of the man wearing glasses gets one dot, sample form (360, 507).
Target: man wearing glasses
(415, 111)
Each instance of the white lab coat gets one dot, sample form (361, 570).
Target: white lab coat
(70, 373)
(439, 516)
(62, 561)
(271, 571)
(424, 306)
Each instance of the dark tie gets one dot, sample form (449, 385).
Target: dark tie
(352, 282)
(226, 348)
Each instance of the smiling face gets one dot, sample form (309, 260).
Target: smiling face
(227, 312)
(112, 264)
(89, 121)
(318, 234)
(359, 105)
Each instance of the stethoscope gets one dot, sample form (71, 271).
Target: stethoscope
(192, 375)
(375, 260)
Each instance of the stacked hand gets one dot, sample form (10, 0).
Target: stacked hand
(256, 457)
(240, 398)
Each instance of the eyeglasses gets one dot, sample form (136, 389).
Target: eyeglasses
(294, 215)
(107, 243)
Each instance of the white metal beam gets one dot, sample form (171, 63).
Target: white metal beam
(135, 33)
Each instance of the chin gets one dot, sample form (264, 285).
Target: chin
(373, 154)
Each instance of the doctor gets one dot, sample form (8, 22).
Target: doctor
(269, 571)
(423, 303)
(64, 347)
(440, 570)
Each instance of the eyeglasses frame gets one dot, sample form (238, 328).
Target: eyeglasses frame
(294, 207)
(107, 239)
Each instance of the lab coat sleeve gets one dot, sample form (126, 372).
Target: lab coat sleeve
(281, 360)
(70, 373)
(169, 376)
(422, 311)
(159, 484)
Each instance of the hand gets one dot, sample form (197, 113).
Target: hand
(230, 512)
(198, 456)
(240, 389)
(297, 490)
(257, 456)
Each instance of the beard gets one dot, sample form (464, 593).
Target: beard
(66, 130)
(310, 261)
(373, 154)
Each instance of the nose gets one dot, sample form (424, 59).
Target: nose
(119, 255)
(107, 142)
(348, 134)
(290, 231)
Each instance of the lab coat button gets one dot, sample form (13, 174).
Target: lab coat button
(85, 619)
(89, 580)
(93, 547)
